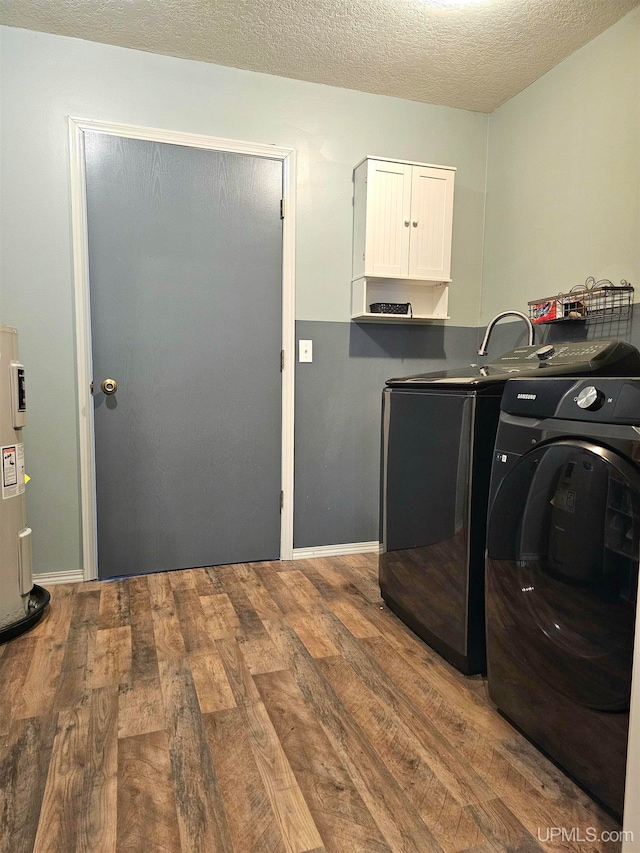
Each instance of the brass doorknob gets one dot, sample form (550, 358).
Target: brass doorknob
(109, 386)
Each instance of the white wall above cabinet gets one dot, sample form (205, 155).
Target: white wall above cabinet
(402, 217)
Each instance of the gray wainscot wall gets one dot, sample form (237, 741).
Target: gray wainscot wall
(338, 406)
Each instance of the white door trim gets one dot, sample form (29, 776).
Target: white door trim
(77, 128)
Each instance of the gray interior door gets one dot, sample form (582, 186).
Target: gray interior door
(185, 266)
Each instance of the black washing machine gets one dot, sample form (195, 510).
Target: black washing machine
(563, 545)
(438, 431)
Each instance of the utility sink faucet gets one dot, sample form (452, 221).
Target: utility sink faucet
(487, 334)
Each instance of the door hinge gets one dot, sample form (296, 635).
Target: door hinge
(91, 387)
(281, 208)
(281, 500)
(281, 360)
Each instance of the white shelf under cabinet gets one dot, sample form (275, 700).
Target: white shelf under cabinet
(429, 300)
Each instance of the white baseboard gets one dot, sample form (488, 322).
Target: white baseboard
(336, 550)
(52, 578)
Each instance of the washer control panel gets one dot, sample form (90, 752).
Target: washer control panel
(563, 353)
(593, 399)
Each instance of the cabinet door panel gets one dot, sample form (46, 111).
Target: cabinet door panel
(431, 222)
(388, 208)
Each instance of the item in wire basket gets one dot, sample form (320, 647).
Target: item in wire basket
(391, 308)
(542, 312)
(573, 308)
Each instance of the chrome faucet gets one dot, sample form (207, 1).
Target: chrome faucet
(487, 334)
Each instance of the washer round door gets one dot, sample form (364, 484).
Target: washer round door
(562, 569)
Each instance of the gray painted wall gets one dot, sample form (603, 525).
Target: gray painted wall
(338, 397)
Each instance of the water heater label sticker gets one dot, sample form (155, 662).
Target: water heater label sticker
(12, 470)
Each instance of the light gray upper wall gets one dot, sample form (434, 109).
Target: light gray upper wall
(563, 180)
(46, 78)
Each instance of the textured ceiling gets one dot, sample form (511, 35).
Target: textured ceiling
(474, 54)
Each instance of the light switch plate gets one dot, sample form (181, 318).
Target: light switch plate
(305, 351)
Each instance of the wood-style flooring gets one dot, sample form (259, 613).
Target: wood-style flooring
(261, 707)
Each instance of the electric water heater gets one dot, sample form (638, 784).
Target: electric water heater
(21, 603)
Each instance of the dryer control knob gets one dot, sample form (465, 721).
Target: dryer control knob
(545, 352)
(590, 398)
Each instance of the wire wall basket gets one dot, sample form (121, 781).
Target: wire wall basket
(594, 300)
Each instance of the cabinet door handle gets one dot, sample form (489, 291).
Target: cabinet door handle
(407, 223)
(415, 223)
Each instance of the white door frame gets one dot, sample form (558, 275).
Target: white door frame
(287, 156)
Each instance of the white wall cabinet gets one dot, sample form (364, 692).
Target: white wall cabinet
(403, 216)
